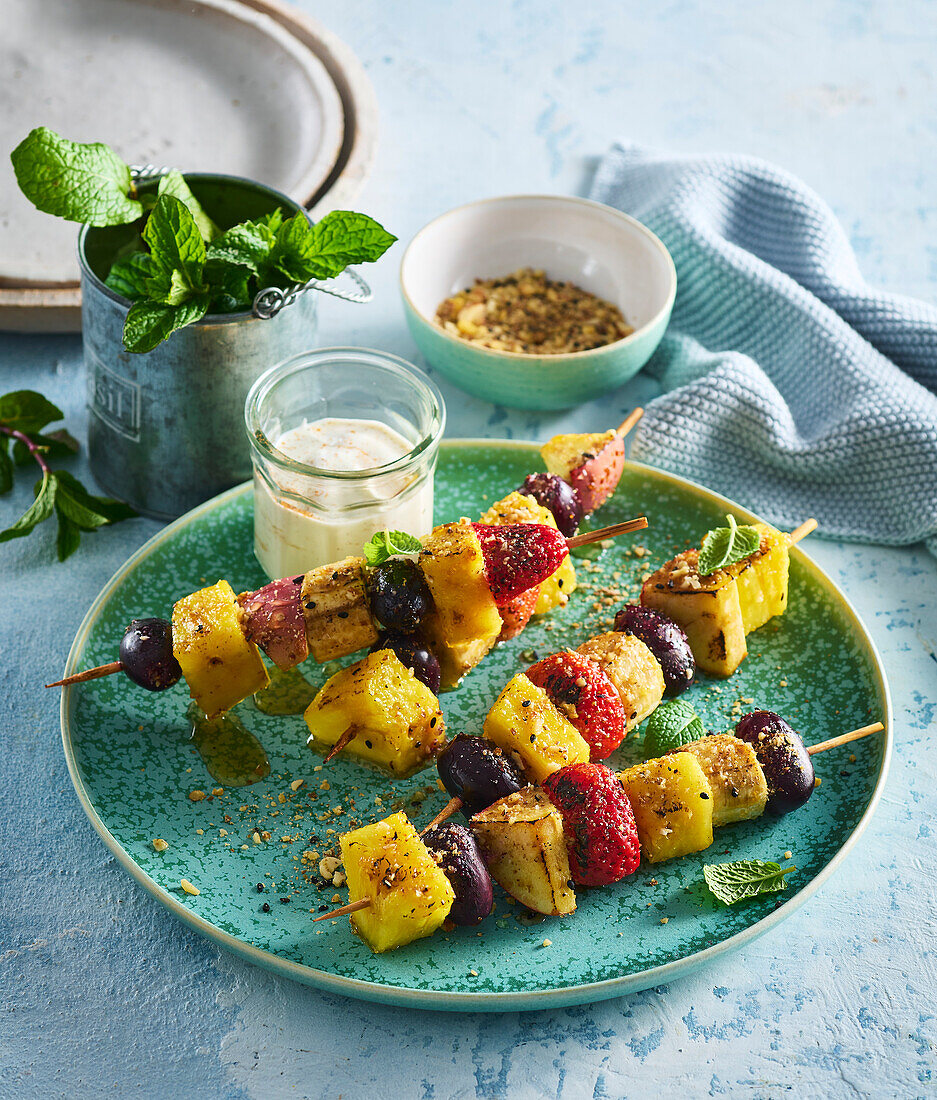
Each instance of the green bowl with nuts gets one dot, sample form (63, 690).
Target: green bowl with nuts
(537, 301)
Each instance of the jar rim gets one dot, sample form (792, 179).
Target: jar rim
(280, 372)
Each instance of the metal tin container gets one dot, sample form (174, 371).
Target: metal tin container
(166, 428)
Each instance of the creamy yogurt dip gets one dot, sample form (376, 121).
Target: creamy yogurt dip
(307, 520)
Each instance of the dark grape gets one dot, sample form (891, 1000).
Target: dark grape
(400, 599)
(414, 654)
(665, 640)
(475, 770)
(461, 860)
(558, 497)
(783, 758)
(146, 654)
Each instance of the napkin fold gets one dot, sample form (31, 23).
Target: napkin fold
(790, 385)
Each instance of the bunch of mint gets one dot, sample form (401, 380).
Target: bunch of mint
(24, 415)
(186, 266)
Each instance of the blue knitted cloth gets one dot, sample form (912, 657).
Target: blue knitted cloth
(790, 385)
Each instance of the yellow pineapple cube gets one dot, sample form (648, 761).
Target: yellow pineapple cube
(220, 666)
(465, 622)
(673, 805)
(388, 864)
(524, 724)
(707, 608)
(735, 777)
(762, 578)
(525, 851)
(632, 668)
(336, 610)
(520, 508)
(397, 720)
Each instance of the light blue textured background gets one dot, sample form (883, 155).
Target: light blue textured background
(101, 991)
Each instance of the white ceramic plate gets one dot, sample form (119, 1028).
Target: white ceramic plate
(207, 85)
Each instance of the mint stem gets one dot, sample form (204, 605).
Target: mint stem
(33, 448)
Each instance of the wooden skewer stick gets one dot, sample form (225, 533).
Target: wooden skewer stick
(456, 804)
(451, 807)
(351, 907)
(341, 743)
(612, 532)
(845, 738)
(803, 530)
(629, 422)
(88, 674)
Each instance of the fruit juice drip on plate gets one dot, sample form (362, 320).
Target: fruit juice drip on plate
(308, 519)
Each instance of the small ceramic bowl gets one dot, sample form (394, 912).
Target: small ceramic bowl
(598, 248)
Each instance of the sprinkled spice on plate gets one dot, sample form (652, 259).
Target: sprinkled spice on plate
(527, 312)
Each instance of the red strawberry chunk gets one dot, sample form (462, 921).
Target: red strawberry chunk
(272, 617)
(582, 692)
(598, 823)
(516, 613)
(519, 556)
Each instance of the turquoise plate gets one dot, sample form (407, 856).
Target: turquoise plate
(133, 765)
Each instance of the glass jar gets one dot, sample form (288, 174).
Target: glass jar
(308, 513)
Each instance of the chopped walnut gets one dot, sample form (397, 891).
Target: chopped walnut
(527, 312)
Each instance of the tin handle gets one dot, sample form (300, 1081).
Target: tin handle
(269, 302)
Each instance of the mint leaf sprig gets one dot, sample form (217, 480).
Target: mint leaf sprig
(23, 415)
(188, 266)
(724, 546)
(747, 878)
(387, 544)
(672, 725)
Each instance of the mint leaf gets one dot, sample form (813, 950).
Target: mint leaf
(322, 251)
(673, 724)
(128, 277)
(39, 510)
(174, 184)
(83, 508)
(726, 545)
(57, 444)
(177, 251)
(68, 537)
(27, 411)
(732, 882)
(6, 465)
(386, 544)
(248, 244)
(149, 323)
(343, 238)
(83, 183)
(229, 285)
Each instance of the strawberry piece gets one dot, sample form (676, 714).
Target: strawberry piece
(583, 693)
(598, 823)
(272, 617)
(519, 556)
(516, 613)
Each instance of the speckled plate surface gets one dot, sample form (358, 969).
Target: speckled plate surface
(133, 765)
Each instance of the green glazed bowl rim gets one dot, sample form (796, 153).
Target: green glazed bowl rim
(562, 357)
(584, 993)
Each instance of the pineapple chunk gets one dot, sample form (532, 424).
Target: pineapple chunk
(707, 608)
(632, 668)
(397, 720)
(220, 666)
(465, 622)
(735, 777)
(520, 508)
(525, 850)
(524, 724)
(673, 805)
(336, 610)
(762, 578)
(388, 864)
